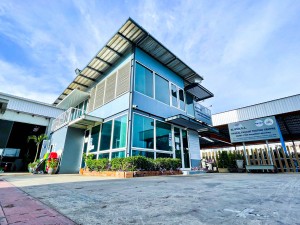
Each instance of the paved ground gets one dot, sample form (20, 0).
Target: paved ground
(199, 199)
(16, 207)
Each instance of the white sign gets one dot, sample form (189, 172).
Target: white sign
(254, 130)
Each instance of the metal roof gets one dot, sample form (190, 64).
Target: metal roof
(19, 104)
(198, 91)
(130, 34)
(271, 108)
(73, 99)
(190, 123)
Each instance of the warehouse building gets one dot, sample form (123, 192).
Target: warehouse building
(20, 118)
(286, 146)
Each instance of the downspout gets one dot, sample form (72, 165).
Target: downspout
(129, 122)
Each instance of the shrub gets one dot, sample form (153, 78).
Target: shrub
(129, 164)
(97, 164)
(132, 163)
(167, 163)
(117, 164)
(223, 160)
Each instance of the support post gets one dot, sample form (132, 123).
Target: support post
(245, 154)
(271, 160)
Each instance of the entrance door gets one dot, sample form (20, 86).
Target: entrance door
(181, 147)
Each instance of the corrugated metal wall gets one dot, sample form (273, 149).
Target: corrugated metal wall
(275, 107)
(31, 107)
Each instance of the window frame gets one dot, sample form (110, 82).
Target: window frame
(154, 150)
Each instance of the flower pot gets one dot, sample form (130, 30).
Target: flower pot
(51, 171)
(223, 170)
(240, 163)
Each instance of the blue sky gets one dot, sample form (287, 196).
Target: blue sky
(247, 51)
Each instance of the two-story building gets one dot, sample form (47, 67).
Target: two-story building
(135, 97)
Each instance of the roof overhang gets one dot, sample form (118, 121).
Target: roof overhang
(198, 91)
(73, 99)
(85, 121)
(190, 123)
(3, 105)
(129, 35)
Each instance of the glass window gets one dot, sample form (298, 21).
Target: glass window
(181, 99)
(103, 156)
(105, 136)
(143, 153)
(118, 154)
(144, 80)
(95, 138)
(143, 132)
(174, 95)
(120, 129)
(164, 155)
(163, 136)
(189, 104)
(85, 105)
(162, 89)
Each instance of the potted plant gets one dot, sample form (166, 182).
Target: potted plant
(239, 161)
(32, 166)
(52, 166)
(37, 140)
(223, 161)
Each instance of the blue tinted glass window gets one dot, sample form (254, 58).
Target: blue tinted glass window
(95, 137)
(174, 95)
(189, 104)
(144, 80)
(143, 132)
(162, 89)
(103, 156)
(118, 154)
(163, 136)
(143, 153)
(181, 99)
(105, 136)
(120, 130)
(164, 155)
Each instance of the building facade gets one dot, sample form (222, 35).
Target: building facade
(135, 97)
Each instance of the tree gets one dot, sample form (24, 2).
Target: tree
(37, 140)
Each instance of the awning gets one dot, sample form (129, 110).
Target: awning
(85, 121)
(3, 105)
(190, 123)
(198, 91)
(73, 99)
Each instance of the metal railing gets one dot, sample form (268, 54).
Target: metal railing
(66, 117)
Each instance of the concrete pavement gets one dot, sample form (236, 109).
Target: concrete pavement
(199, 199)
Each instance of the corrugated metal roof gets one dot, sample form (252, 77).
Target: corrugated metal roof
(271, 108)
(24, 105)
(130, 34)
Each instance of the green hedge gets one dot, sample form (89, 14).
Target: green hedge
(97, 164)
(134, 163)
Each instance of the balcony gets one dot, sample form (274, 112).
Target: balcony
(74, 117)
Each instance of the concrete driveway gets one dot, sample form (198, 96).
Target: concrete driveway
(199, 199)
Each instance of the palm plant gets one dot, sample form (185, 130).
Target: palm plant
(37, 140)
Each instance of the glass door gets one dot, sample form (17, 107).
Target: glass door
(181, 147)
(185, 149)
(177, 144)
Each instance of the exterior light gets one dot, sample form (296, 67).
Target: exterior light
(77, 71)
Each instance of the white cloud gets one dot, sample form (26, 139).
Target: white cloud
(236, 45)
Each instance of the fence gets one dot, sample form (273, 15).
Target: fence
(285, 161)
